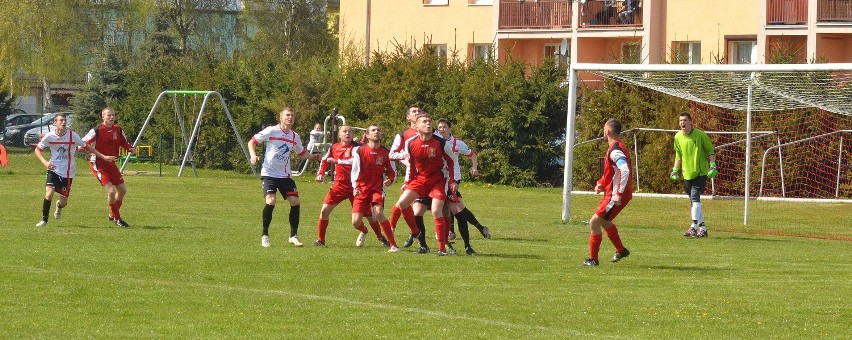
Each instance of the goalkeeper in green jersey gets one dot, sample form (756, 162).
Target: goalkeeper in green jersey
(693, 150)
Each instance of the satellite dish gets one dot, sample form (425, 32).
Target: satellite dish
(563, 47)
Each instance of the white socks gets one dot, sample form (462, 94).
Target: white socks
(697, 215)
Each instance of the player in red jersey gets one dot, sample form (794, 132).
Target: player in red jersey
(617, 187)
(340, 154)
(428, 155)
(370, 162)
(397, 153)
(457, 208)
(107, 138)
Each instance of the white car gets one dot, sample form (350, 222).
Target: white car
(34, 135)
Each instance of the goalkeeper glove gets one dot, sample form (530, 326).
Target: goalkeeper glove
(712, 173)
(673, 175)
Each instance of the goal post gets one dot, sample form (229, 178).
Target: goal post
(742, 89)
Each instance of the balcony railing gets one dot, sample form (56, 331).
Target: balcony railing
(834, 11)
(610, 13)
(541, 14)
(786, 12)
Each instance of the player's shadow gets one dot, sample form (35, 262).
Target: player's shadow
(511, 256)
(689, 268)
(740, 238)
(521, 239)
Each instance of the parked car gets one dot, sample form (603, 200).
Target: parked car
(34, 135)
(18, 118)
(14, 135)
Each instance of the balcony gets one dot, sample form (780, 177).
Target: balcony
(532, 14)
(839, 11)
(787, 12)
(610, 13)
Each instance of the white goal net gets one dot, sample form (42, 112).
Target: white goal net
(779, 130)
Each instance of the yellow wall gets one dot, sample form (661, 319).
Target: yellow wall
(709, 21)
(411, 23)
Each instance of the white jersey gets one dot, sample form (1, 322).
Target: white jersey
(279, 145)
(62, 151)
(458, 147)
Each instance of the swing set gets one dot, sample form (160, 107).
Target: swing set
(188, 143)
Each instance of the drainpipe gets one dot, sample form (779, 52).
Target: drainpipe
(367, 36)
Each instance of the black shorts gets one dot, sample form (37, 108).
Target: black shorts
(454, 197)
(60, 184)
(286, 186)
(695, 187)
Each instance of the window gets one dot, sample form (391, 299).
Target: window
(480, 52)
(740, 51)
(439, 49)
(631, 52)
(687, 52)
(550, 51)
(480, 2)
(436, 2)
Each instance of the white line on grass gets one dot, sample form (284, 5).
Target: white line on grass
(437, 314)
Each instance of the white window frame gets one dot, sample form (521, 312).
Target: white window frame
(480, 2)
(440, 49)
(482, 51)
(692, 49)
(739, 48)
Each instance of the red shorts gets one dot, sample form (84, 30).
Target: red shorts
(608, 210)
(434, 187)
(106, 172)
(366, 200)
(337, 194)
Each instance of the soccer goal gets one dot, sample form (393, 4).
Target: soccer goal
(785, 126)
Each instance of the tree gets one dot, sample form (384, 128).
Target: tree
(293, 29)
(42, 39)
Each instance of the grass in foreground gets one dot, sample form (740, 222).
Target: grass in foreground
(192, 266)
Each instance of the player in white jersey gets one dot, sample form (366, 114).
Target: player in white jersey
(63, 144)
(456, 206)
(275, 174)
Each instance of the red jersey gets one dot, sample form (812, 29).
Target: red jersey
(369, 166)
(616, 171)
(342, 154)
(429, 158)
(107, 140)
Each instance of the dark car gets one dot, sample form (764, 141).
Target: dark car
(18, 118)
(14, 135)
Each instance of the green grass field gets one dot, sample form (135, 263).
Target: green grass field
(191, 266)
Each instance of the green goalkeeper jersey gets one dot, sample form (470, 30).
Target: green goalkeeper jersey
(692, 151)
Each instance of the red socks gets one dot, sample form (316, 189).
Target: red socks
(361, 227)
(595, 245)
(395, 215)
(408, 215)
(612, 234)
(377, 228)
(442, 229)
(386, 227)
(322, 226)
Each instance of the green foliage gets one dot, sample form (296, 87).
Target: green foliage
(7, 104)
(105, 88)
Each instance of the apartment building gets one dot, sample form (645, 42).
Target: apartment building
(606, 31)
